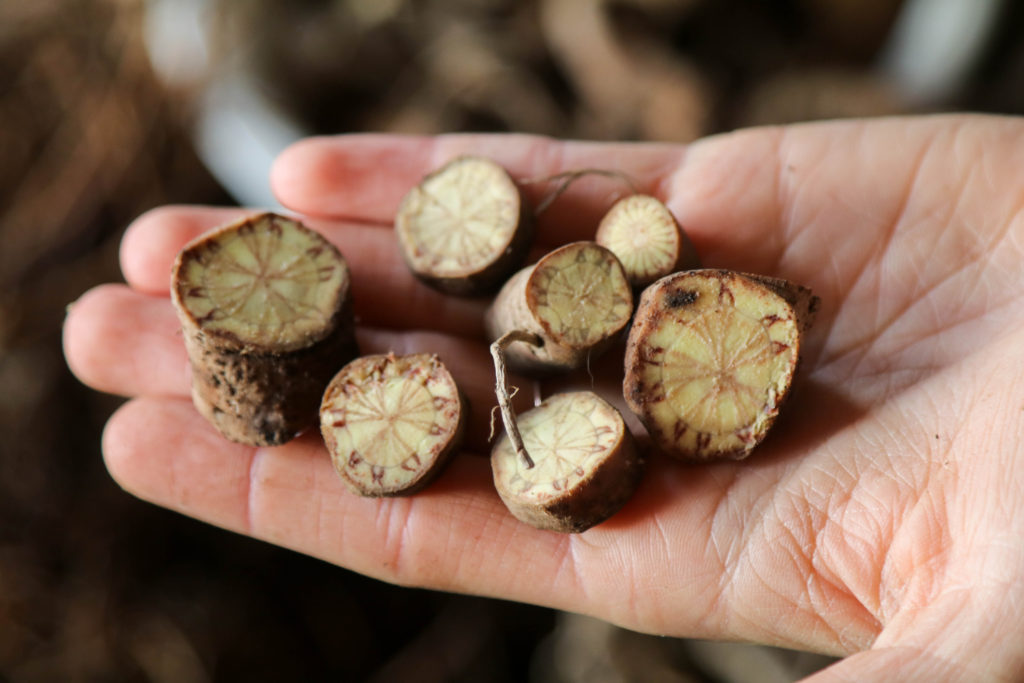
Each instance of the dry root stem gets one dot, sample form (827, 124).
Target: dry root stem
(585, 467)
(576, 300)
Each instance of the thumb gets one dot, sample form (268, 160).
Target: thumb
(897, 664)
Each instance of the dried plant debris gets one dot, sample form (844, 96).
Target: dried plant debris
(265, 308)
(647, 239)
(585, 464)
(391, 422)
(465, 227)
(575, 300)
(711, 358)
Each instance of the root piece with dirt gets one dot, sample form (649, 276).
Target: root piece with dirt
(585, 464)
(465, 228)
(265, 308)
(576, 300)
(711, 358)
(390, 422)
(647, 239)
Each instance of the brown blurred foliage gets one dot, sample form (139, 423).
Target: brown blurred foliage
(667, 70)
(88, 140)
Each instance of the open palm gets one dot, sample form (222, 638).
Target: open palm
(883, 518)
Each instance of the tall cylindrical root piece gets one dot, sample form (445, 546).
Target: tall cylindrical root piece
(391, 422)
(576, 300)
(265, 309)
(585, 464)
(465, 227)
(647, 239)
(711, 358)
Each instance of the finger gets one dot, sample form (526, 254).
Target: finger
(384, 292)
(123, 342)
(153, 239)
(818, 203)
(651, 567)
(160, 450)
(456, 535)
(363, 177)
(909, 663)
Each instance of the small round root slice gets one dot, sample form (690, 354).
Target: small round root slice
(264, 306)
(391, 422)
(644, 235)
(711, 358)
(465, 227)
(578, 295)
(576, 299)
(586, 464)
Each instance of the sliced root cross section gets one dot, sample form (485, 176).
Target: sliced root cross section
(644, 235)
(578, 295)
(264, 306)
(576, 299)
(464, 228)
(391, 422)
(711, 359)
(266, 284)
(585, 464)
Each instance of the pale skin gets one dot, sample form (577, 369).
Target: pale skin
(883, 520)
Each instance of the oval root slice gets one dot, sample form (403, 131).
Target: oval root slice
(644, 235)
(586, 464)
(464, 228)
(391, 422)
(711, 358)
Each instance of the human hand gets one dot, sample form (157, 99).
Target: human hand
(882, 519)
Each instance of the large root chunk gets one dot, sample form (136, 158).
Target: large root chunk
(585, 464)
(264, 305)
(390, 423)
(465, 227)
(711, 358)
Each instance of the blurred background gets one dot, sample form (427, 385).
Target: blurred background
(112, 107)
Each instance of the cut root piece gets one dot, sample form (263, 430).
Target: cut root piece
(465, 227)
(264, 305)
(711, 359)
(644, 235)
(585, 464)
(391, 422)
(576, 300)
